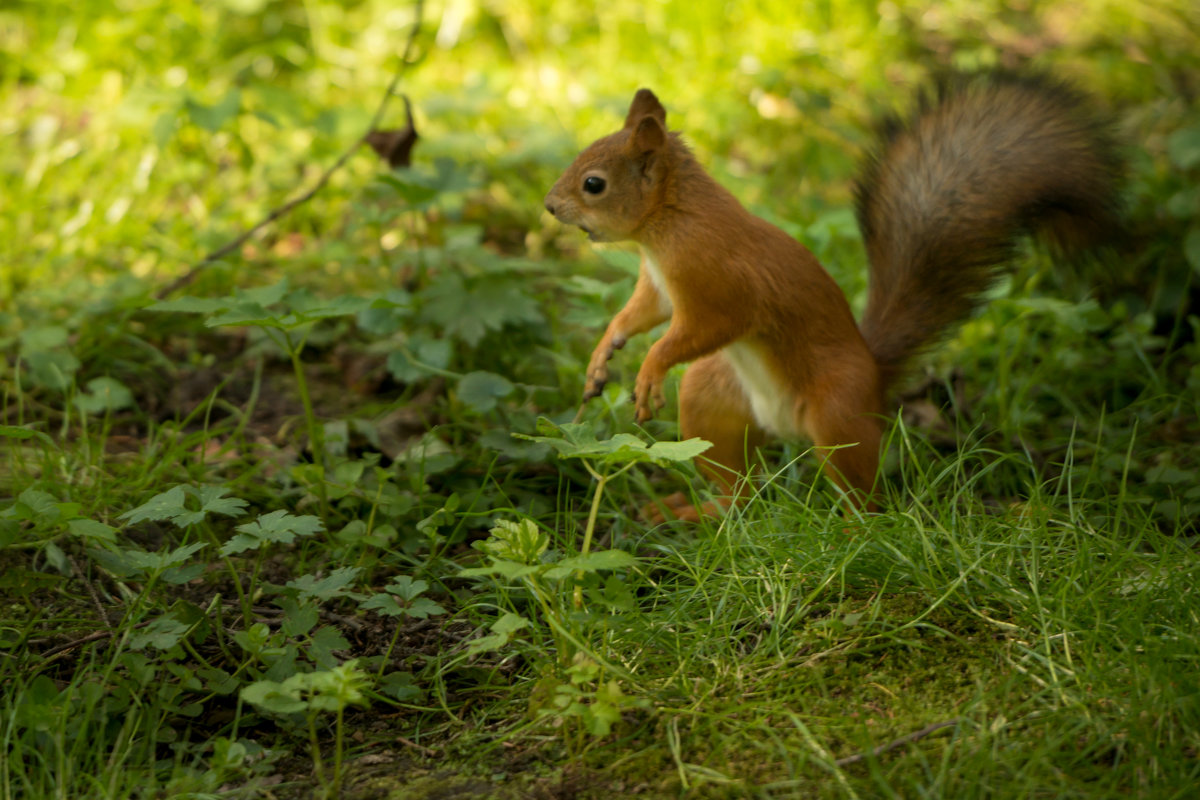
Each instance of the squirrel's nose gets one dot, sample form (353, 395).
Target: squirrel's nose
(549, 206)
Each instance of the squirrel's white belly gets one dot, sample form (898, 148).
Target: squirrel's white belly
(656, 277)
(772, 402)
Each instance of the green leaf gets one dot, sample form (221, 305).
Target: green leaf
(601, 717)
(164, 127)
(503, 441)
(310, 307)
(91, 529)
(503, 568)
(427, 355)
(332, 585)
(423, 607)
(1169, 473)
(502, 632)
(104, 394)
(267, 295)
(1185, 203)
(162, 634)
(450, 176)
(405, 587)
(383, 535)
(510, 623)
(284, 662)
(43, 337)
(411, 188)
(213, 118)
(1191, 248)
(191, 305)
(400, 686)
(212, 501)
(154, 562)
(164, 505)
(20, 432)
(172, 505)
(177, 576)
(252, 314)
(274, 697)
(617, 594)
(386, 314)
(385, 604)
(347, 473)
(332, 688)
(39, 506)
(51, 369)
(298, 618)
(592, 562)
(56, 557)
(276, 526)
(324, 642)
(408, 591)
(522, 541)
(480, 390)
(259, 641)
(467, 311)
(1183, 147)
(217, 680)
(429, 455)
(578, 440)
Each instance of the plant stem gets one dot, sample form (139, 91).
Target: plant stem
(362, 554)
(316, 436)
(588, 532)
(313, 743)
(601, 481)
(337, 751)
(565, 645)
(387, 656)
(243, 598)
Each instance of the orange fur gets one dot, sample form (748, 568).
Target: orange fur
(775, 347)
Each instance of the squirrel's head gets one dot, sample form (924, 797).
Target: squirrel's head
(616, 182)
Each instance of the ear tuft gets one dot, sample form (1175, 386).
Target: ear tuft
(645, 104)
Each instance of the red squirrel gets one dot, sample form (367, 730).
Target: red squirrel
(773, 345)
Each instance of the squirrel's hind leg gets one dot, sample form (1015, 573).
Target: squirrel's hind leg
(713, 406)
(847, 433)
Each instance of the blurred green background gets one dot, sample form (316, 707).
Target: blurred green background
(136, 135)
(449, 311)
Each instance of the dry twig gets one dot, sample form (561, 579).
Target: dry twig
(95, 636)
(903, 740)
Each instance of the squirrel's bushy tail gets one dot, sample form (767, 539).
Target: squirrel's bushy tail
(942, 202)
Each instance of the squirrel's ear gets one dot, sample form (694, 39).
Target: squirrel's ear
(645, 104)
(647, 138)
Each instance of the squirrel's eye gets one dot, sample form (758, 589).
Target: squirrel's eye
(593, 185)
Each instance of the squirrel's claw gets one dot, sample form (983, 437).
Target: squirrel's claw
(593, 388)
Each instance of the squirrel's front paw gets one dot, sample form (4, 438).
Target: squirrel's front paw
(597, 371)
(648, 396)
(597, 376)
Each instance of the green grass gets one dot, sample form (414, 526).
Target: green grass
(275, 537)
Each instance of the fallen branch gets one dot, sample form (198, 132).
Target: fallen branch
(903, 740)
(418, 747)
(227, 248)
(91, 637)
